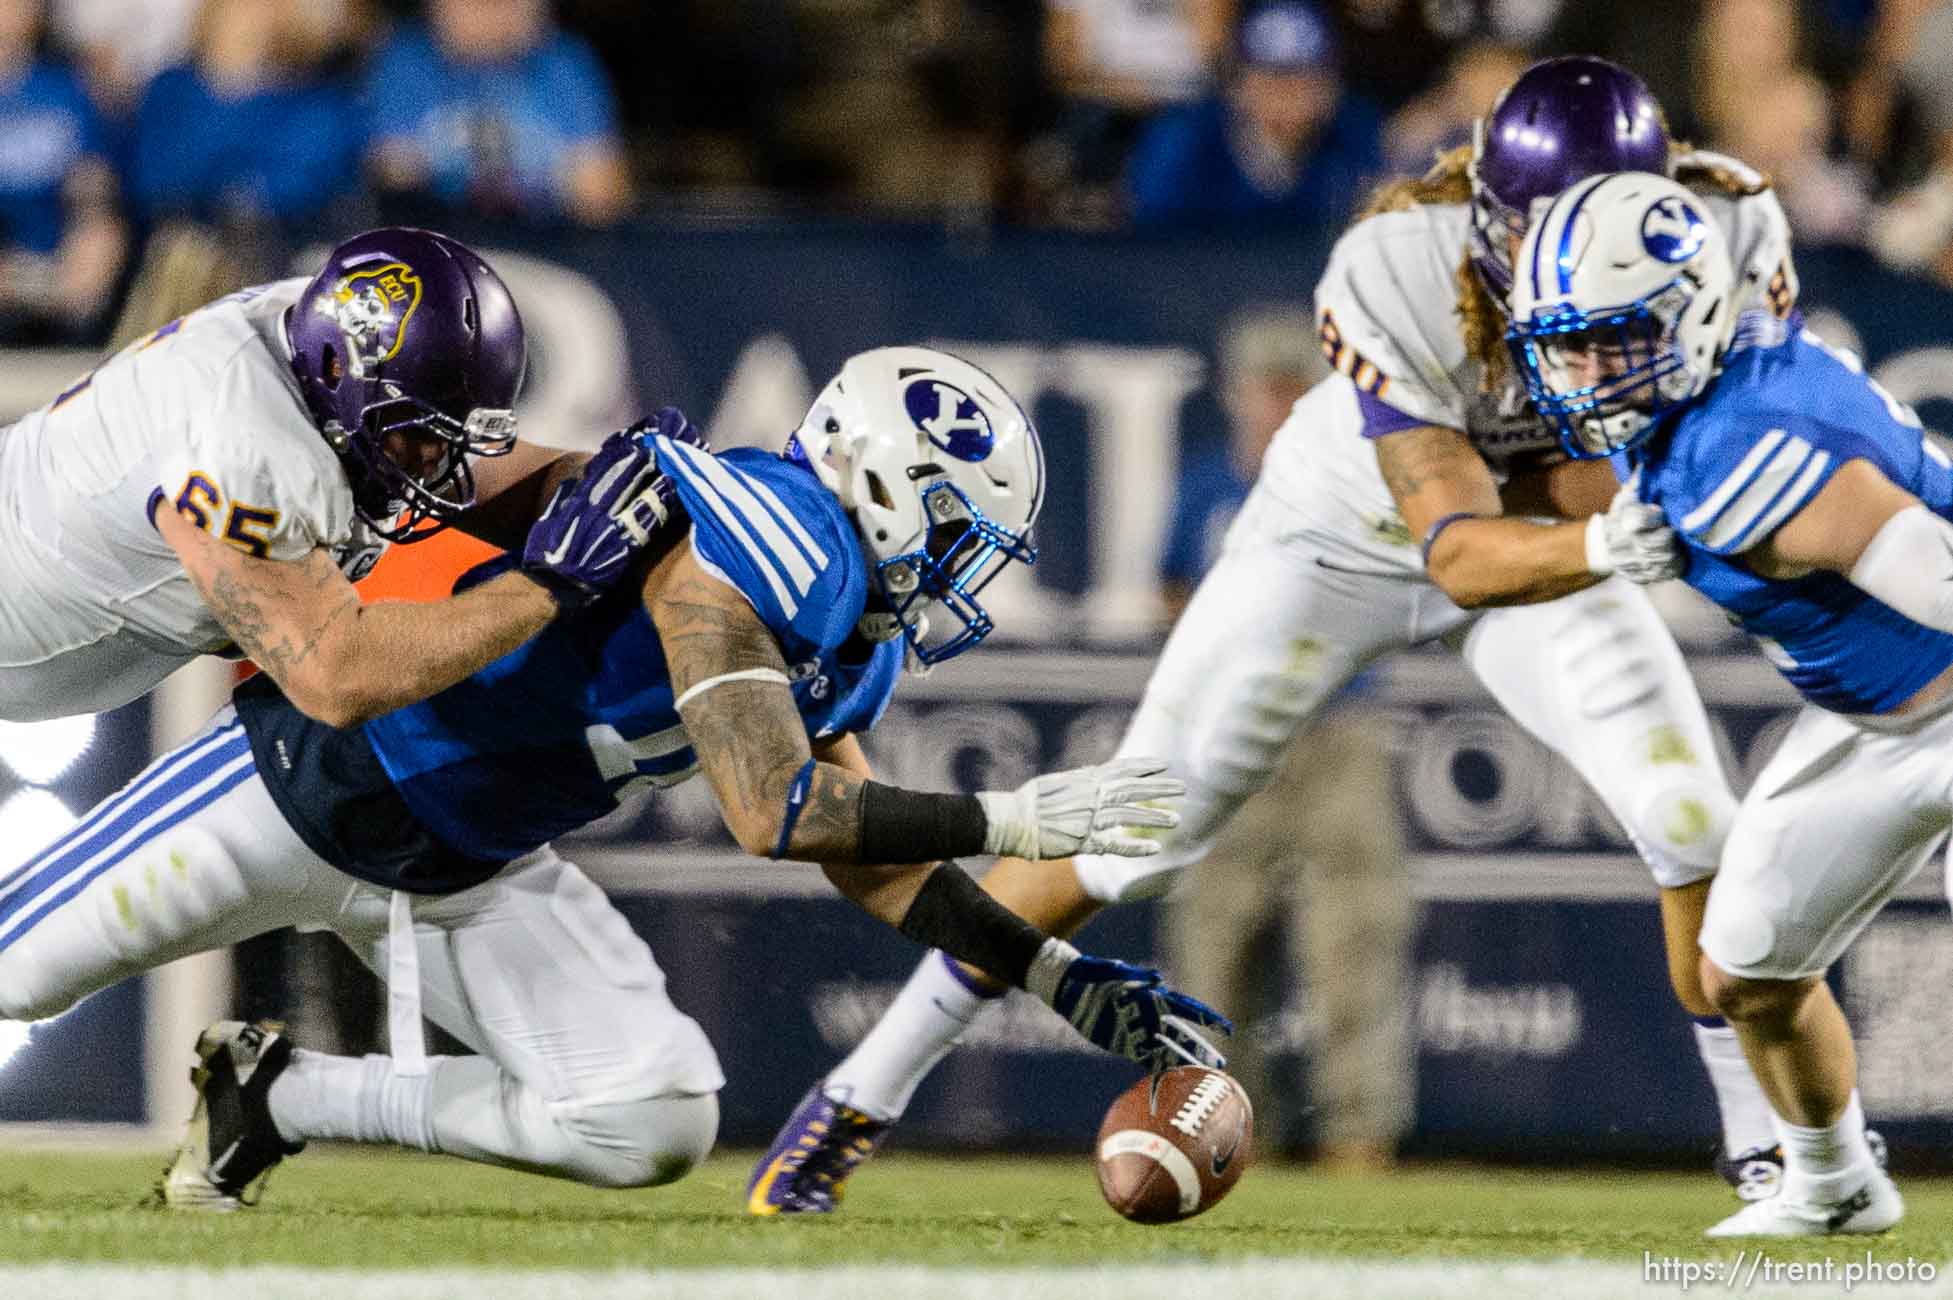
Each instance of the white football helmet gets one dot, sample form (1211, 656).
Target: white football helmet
(942, 472)
(1623, 303)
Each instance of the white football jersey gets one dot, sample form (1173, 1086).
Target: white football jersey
(1387, 310)
(97, 609)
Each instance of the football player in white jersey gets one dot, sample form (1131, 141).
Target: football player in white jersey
(219, 485)
(1403, 497)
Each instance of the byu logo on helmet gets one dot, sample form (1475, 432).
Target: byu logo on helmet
(1672, 230)
(951, 418)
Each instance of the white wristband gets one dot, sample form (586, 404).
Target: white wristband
(1009, 829)
(740, 675)
(1600, 560)
(1047, 968)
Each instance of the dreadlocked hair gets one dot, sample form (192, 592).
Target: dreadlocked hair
(1714, 172)
(1479, 319)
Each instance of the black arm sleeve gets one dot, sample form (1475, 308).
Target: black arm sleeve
(952, 912)
(901, 826)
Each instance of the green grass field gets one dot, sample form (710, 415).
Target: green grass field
(384, 1215)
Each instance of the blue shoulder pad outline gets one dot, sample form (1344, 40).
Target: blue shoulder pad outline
(779, 536)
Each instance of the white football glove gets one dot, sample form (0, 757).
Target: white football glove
(1085, 810)
(1634, 540)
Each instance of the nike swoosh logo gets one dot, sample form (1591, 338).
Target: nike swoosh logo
(1222, 1159)
(1842, 1215)
(563, 547)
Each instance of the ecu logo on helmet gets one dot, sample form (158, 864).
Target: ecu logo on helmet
(372, 309)
(951, 418)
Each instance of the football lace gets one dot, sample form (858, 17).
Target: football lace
(1200, 1104)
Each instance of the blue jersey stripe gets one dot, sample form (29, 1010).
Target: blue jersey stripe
(134, 800)
(111, 837)
(1790, 498)
(815, 552)
(231, 780)
(1762, 490)
(1739, 478)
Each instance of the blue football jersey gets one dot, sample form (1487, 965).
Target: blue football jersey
(1733, 467)
(549, 737)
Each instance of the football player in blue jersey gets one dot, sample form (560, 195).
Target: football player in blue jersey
(755, 651)
(1811, 506)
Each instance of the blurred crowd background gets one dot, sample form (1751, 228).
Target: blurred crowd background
(144, 135)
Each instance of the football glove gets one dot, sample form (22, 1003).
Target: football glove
(1128, 1010)
(1634, 540)
(1085, 810)
(669, 422)
(597, 523)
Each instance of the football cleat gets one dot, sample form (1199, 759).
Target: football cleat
(231, 1143)
(1755, 1174)
(1875, 1207)
(806, 1169)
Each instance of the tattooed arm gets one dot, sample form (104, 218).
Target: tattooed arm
(884, 892)
(747, 733)
(338, 660)
(1479, 557)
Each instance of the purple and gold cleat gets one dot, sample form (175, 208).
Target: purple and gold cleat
(806, 1169)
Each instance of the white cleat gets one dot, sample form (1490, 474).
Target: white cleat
(1874, 1207)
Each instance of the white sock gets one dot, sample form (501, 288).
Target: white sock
(359, 1099)
(1826, 1164)
(1747, 1121)
(918, 1029)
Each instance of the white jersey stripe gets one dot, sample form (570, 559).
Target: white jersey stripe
(1757, 496)
(1787, 504)
(794, 526)
(735, 491)
(1712, 505)
(730, 518)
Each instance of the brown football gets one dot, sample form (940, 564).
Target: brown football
(1174, 1144)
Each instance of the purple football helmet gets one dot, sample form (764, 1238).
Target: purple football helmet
(406, 339)
(1562, 121)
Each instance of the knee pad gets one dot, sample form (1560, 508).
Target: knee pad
(1680, 828)
(644, 1143)
(1608, 665)
(167, 889)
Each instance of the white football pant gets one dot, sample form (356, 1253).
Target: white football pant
(1841, 817)
(586, 1071)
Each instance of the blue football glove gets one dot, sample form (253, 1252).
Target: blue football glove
(596, 524)
(1128, 1010)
